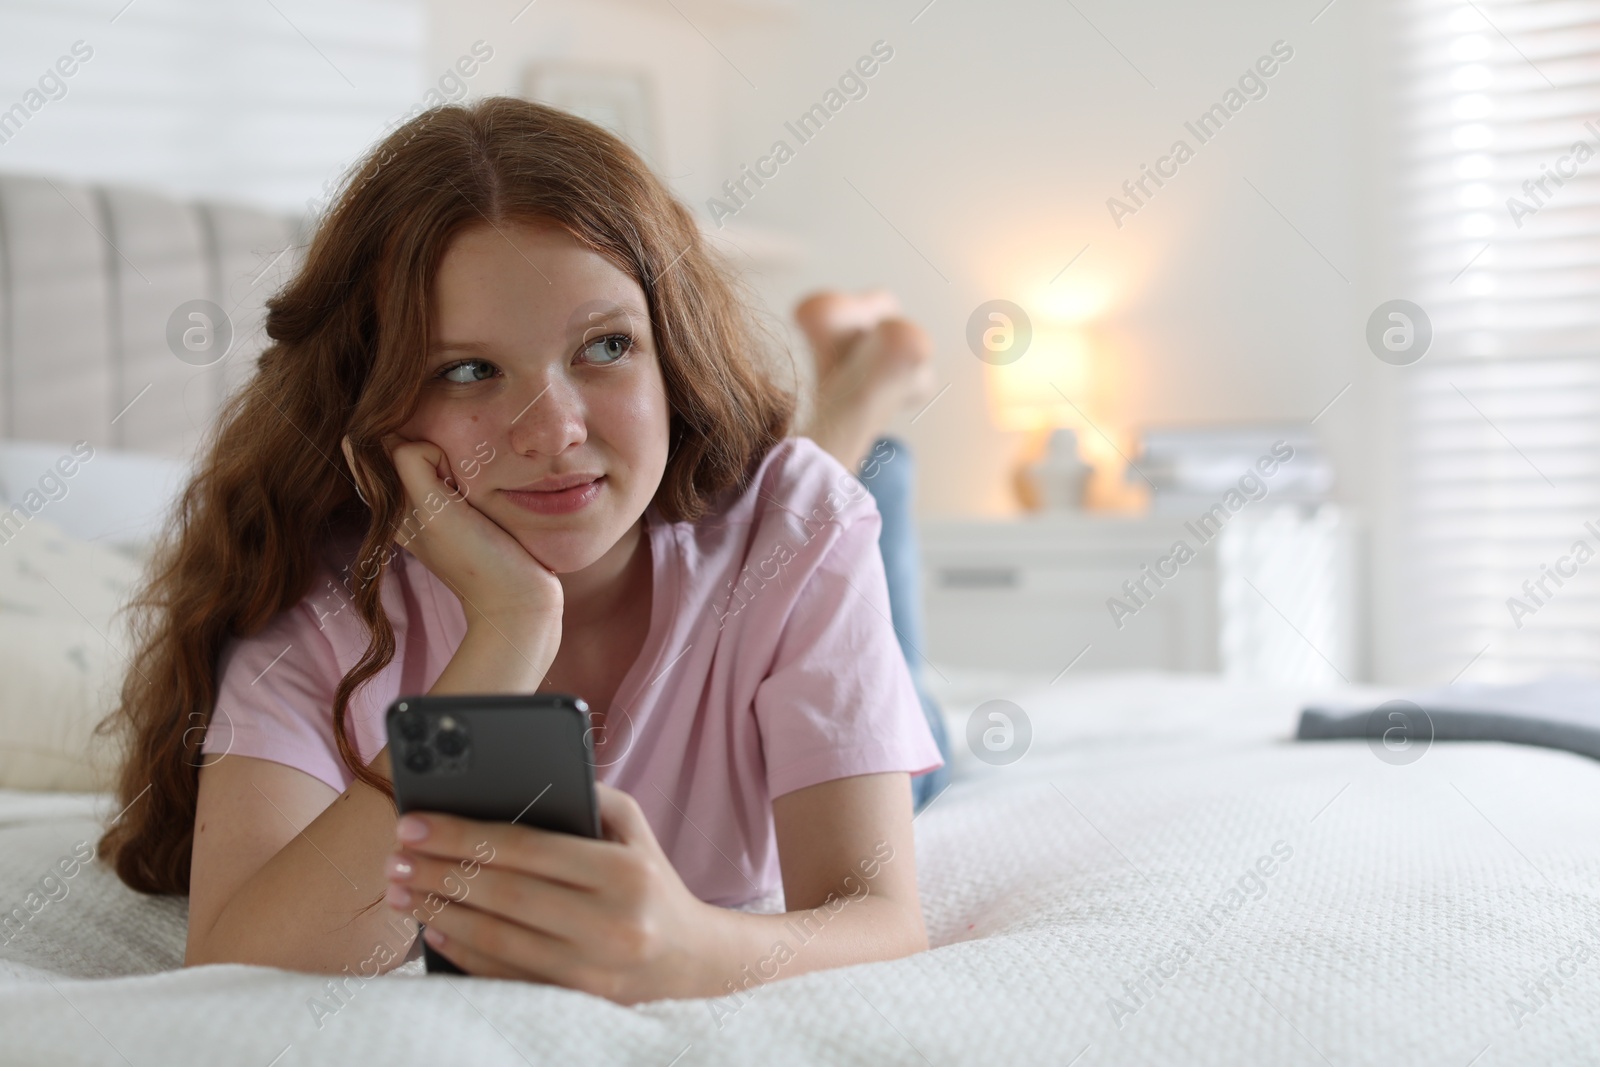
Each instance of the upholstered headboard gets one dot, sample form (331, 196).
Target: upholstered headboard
(90, 277)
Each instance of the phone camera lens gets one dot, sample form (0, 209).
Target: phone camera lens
(420, 759)
(412, 726)
(451, 743)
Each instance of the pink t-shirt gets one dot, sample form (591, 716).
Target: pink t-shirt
(770, 665)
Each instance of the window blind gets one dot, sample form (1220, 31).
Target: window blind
(1500, 420)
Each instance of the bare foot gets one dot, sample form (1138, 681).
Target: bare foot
(830, 318)
(871, 365)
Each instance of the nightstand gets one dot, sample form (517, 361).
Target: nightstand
(1030, 594)
(1270, 596)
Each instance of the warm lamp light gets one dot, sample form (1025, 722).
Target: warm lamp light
(1074, 457)
(1037, 393)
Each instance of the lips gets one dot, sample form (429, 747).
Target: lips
(578, 492)
(554, 483)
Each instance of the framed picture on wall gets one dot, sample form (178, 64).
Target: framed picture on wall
(620, 99)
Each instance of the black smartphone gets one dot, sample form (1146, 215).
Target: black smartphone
(522, 758)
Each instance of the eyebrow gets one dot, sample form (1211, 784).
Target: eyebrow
(596, 319)
(611, 314)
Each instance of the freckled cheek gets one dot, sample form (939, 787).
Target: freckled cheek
(458, 433)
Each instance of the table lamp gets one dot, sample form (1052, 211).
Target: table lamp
(1039, 394)
(1076, 456)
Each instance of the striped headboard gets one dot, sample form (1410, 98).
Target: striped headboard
(93, 283)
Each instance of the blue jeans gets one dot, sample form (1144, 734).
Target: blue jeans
(888, 474)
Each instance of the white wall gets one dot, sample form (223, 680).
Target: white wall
(690, 96)
(992, 142)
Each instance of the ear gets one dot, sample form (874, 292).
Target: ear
(350, 460)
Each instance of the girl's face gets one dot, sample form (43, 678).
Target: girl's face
(542, 359)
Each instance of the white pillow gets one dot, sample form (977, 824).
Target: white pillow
(61, 654)
(92, 493)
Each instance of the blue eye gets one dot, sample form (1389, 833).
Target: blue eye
(445, 372)
(616, 345)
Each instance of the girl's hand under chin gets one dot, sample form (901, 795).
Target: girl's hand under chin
(487, 568)
(609, 917)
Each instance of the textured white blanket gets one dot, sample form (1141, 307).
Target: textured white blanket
(1163, 878)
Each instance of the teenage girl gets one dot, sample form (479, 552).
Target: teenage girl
(515, 431)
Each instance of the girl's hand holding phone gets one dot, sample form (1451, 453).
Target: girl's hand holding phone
(487, 568)
(608, 917)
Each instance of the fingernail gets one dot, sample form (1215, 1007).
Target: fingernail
(411, 828)
(398, 867)
(397, 896)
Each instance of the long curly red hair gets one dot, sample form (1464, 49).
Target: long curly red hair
(348, 336)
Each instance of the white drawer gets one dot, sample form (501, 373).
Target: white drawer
(1031, 596)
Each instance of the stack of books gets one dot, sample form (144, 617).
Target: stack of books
(1192, 468)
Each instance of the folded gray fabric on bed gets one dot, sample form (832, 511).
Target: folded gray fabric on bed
(1559, 713)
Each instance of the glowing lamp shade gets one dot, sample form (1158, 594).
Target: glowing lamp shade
(1039, 391)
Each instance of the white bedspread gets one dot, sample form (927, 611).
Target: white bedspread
(1446, 911)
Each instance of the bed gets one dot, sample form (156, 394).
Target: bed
(1163, 876)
